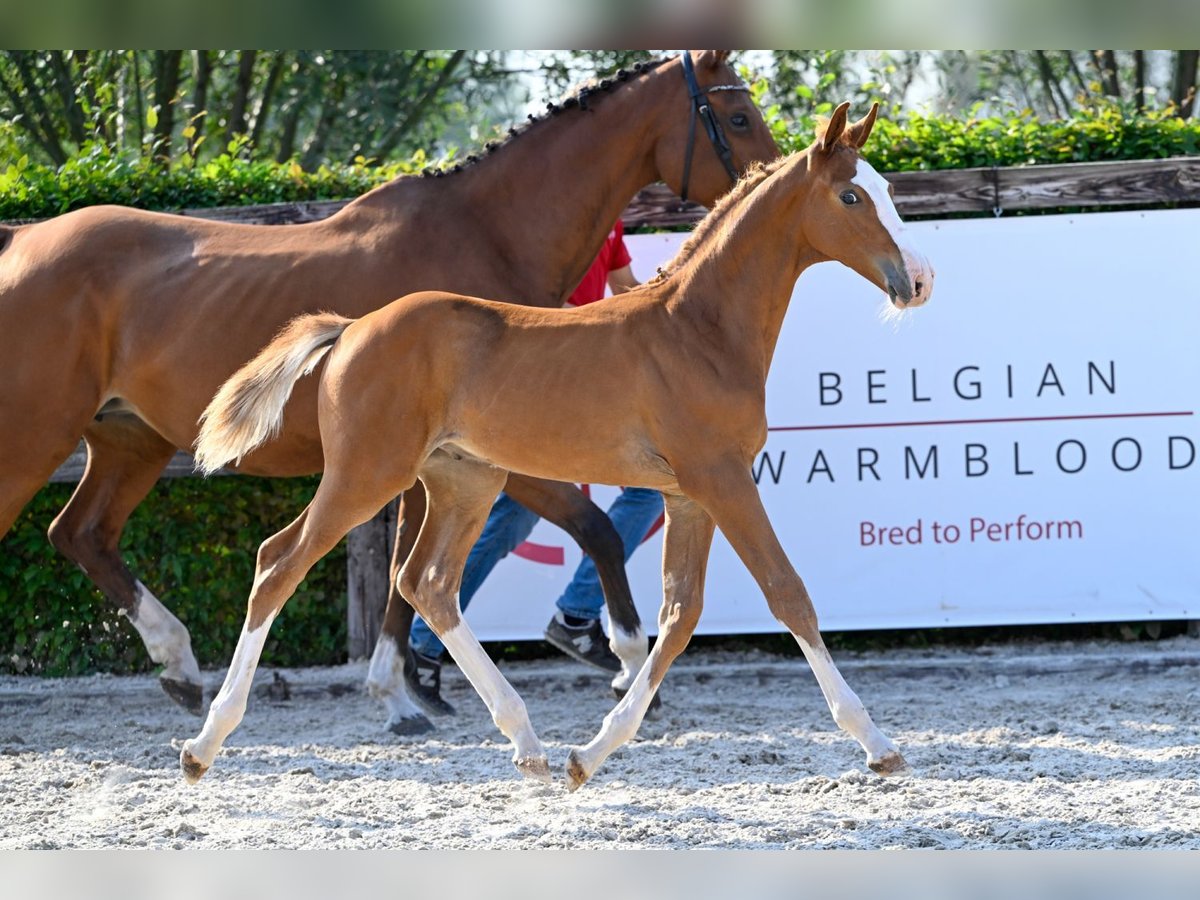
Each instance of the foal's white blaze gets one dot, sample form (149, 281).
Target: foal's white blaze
(166, 639)
(229, 706)
(918, 267)
(848, 711)
(385, 681)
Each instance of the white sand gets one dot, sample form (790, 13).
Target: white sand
(1047, 746)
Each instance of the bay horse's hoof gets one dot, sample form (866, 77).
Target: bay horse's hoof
(653, 711)
(891, 765)
(410, 726)
(535, 767)
(192, 768)
(187, 694)
(577, 775)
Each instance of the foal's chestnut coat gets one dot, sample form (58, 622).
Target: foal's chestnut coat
(671, 378)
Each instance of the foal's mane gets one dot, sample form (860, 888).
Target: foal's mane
(717, 223)
(579, 98)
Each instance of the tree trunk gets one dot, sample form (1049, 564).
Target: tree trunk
(1183, 90)
(237, 114)
(139, 114)
(202, 75)
(268, 94)
(368, 554)
(65, 82)
(1106, 65)
(1048, 81)
(166, 84)
(44, 118)
(1139, 79)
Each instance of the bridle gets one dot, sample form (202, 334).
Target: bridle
(701, 107)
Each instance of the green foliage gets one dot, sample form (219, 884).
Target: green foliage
(1100, 132)
(193, 543)
(98, 175)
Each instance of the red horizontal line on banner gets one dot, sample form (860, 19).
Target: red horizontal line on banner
(1142, 415)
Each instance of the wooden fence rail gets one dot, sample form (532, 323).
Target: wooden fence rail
(952, 191)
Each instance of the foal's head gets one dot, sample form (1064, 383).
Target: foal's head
(721, 117)
(849, 216)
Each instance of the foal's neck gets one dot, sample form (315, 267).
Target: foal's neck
(741, 280)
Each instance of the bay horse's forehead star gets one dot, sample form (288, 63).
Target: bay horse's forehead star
(397, 404)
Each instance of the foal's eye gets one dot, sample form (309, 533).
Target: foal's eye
(849, 198)
(739, 120)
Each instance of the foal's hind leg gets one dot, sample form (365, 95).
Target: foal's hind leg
(731, 496)
(283, 561)
(385, 675)
(459, 494)
(686, 542)
(125, 459)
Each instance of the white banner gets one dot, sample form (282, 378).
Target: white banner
(1022, 450)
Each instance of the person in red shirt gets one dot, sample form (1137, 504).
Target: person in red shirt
(575, 627)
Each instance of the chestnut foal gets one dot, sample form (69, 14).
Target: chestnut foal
(124, 323)
(455, 391)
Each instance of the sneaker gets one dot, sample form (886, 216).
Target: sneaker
(423, 676)
(585, 642)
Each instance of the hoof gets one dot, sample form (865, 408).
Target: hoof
(192, 768)
(409, 726)
(653, 711)
(535, 767)
(577, 776)
(890, 766)
(187, 694)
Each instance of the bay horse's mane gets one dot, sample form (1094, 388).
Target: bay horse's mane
(717, 222)
(578, 97)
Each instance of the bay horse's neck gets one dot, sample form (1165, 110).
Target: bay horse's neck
(546, 198)
(741, 276)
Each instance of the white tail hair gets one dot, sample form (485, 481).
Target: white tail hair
(248, 409)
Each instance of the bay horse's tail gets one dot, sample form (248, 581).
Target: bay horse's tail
(248, 409)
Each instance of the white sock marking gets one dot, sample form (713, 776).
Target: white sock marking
(848, 711)
(229, 706)
(166, 639)
(385, 681)
(506, 706)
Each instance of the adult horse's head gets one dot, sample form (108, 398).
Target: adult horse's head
(712, 130)
(848, 214)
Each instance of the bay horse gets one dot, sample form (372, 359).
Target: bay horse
(457, 391)
(122, 324)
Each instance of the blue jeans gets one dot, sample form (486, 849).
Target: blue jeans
(509, 524)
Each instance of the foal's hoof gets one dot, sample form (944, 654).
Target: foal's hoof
(187, 694)
(192, 768)
(410, 726)
(890, 765)
(653, 711)
(535, 767)
(577, 775)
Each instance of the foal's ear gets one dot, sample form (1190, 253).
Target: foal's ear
(858, 133)
(710, 59)
(834, 128)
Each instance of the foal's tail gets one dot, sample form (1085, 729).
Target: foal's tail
(248, 409)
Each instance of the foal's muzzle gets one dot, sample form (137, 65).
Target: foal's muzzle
(910, 282)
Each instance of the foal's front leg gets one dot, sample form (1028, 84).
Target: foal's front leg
(732, 498)
(686, 542)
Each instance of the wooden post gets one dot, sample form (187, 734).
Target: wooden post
(368, 553)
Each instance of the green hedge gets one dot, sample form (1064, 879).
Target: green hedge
(193, 542)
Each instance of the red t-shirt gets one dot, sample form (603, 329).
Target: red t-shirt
(613, 255)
